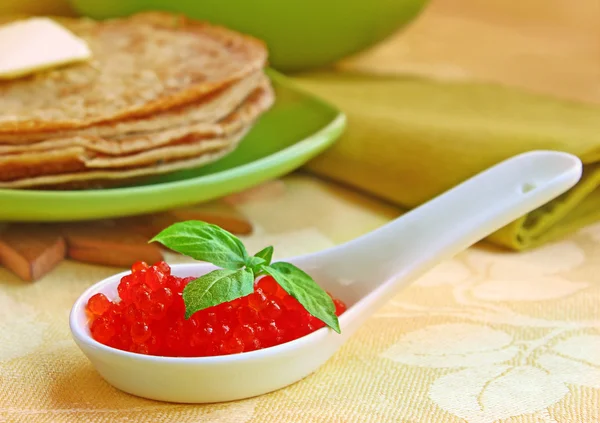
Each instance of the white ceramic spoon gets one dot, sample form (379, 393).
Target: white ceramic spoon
(364, 273)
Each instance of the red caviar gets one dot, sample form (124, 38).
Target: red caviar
(149, 318)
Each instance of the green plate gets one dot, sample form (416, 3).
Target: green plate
(297, 128)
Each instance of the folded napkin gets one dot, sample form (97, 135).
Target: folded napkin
(410, 139)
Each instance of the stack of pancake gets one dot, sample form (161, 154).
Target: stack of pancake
(161, 93)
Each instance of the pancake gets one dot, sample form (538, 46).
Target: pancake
(250, 109)
(142, 65)
(108, 177)
(150, 148)
(209, 109)
(162, 93)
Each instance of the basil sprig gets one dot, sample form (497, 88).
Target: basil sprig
(207, 242)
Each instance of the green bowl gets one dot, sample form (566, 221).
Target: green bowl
(300, 34)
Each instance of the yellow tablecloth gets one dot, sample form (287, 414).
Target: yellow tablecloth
(487, 337)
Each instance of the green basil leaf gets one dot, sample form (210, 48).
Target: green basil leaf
(206, 242)
(266, 254)
(303, 288)
(216, 287)
(254, 263)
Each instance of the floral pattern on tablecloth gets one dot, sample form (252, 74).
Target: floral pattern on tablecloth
(521, 331)
(487, 337)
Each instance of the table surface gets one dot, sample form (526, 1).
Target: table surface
(543, 46)
(489, 336)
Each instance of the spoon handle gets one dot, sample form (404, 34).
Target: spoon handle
(448, 224)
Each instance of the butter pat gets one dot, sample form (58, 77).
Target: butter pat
(35, 44)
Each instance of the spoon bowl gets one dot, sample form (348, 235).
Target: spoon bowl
(201, 379)
(364, 273)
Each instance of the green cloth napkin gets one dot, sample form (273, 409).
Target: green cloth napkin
(410, 139)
